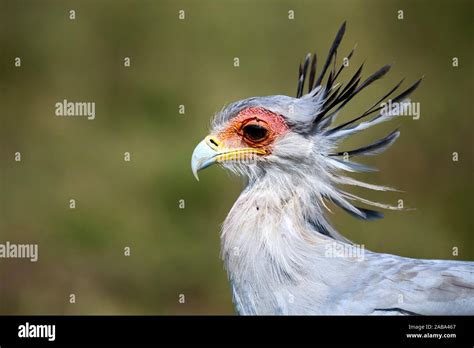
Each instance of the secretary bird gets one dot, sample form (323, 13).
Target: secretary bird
(278, 247)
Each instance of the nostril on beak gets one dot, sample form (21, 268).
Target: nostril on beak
(213, 142)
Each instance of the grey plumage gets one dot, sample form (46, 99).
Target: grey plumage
(281, 253)
(372, 149)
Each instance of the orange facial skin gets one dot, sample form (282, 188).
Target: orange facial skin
(234, 136)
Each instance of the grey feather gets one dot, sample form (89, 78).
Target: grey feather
(374, 148)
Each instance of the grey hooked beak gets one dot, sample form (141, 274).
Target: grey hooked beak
(211, 150)
(205, 154)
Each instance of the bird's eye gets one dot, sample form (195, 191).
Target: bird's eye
(254, 132)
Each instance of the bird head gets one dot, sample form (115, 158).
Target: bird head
(295, 139)
(254, 136)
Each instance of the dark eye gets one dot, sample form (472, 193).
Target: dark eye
(255, 132)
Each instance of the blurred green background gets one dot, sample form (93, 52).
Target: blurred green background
(190, 62)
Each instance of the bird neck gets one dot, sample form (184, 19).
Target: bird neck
(272, 246)
(273, 229)
(277, 201)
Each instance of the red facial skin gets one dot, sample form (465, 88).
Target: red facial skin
(233, 136)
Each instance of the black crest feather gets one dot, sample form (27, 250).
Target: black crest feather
(334, 97)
